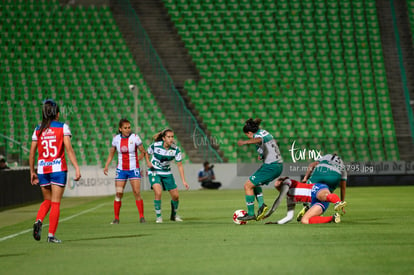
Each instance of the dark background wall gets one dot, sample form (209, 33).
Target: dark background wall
(15, 188)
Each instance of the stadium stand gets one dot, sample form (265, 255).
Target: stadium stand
(78, 57)
(313, 69)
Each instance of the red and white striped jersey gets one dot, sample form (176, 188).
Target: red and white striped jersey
(298, 191)
(51, 151)
(127, 148)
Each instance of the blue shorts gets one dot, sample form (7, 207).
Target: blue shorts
(56, 178)
(315, 190)
(134, 174)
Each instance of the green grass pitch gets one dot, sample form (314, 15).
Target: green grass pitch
(376, 236)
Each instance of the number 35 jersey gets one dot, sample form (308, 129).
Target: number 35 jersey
(51, 157)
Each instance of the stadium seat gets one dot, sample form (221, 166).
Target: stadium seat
(292, 49)
(79, 58)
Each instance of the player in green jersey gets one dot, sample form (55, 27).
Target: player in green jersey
(163, 151)
(330, 170)
(271, 168)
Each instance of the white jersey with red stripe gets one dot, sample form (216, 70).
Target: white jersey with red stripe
(51, 151)
(127, 148)
(298, 191)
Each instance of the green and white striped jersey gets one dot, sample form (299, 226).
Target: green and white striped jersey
(161, 157)
(268, 149)
(335, 163)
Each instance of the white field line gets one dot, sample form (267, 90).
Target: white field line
(46, 225)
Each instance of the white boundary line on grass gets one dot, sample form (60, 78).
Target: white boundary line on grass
(46, 225)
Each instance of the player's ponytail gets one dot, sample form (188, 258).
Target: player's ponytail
(158, 136)
(252, 125)
(50, 112)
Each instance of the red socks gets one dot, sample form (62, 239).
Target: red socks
(140, 206)
(118, 204)
(117, 208)
(44, 208)
(320, 219)
(333, 198)
(54, 217)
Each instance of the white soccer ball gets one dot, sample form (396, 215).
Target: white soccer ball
(239, 213)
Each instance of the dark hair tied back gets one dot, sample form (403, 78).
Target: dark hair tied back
(252, 125)
(50, 111)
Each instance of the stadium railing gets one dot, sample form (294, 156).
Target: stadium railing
(22, 152)
(403, 71)
(192, 127)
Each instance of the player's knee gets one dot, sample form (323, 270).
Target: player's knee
(119, 192)
(137, 196)
(248, 185)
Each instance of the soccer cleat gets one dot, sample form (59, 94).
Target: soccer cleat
(142, 220)
(246, 218)
(37, 230)
(115, 221)
(261, 212)
(53, 239)
(302, 212)
(178, 219)
(336, 218)
(158, 220)
(339, 206)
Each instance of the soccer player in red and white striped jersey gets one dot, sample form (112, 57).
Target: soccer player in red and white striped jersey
(127, 145)
(318, 195)
(50, 139)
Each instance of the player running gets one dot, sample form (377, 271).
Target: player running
(50, 139)
(127, 145)
(330, 170)
(163, 151)
(318, 195)
(271, 168)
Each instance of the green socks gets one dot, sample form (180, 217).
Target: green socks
(250, 205)
(174, 207)
(157, 206)
(259, 195)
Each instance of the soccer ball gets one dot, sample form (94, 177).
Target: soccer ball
(239, 213)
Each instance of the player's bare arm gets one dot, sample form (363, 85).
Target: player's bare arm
(111, 155)
(33, 176)
(310, 170)
(72, 156)
(181, 171)
(249, 141)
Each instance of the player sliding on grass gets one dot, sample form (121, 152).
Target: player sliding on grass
(317, 195)
(330, 170)
(271, 168)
